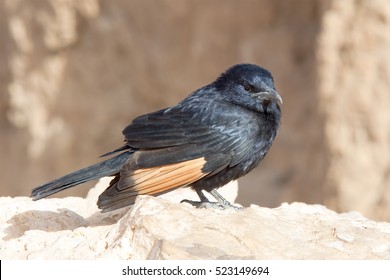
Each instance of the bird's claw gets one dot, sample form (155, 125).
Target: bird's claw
(212, 205)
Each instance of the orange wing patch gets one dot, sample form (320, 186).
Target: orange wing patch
(164, 178)
(125, 187)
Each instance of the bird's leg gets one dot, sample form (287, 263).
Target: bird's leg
(221, 203)
(198, 204)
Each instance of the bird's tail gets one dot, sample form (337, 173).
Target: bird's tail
(105, 168)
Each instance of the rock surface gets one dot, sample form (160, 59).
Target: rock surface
(156, 228)
(354, 86)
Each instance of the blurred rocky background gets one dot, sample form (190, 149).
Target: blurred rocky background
(74, 73)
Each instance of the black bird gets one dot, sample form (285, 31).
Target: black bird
(217, 134)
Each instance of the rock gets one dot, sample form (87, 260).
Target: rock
(156, 228)
(353, 88)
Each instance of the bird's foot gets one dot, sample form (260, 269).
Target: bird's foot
(221, 204)
(212, 205)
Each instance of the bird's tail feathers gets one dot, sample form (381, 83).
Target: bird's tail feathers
(105, 168)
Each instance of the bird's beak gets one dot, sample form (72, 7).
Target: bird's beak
(270, 94)
(276, 95)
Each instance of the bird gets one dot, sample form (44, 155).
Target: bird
(215, 135)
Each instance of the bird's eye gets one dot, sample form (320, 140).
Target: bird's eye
(248, 87)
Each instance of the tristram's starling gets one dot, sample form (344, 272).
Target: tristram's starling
(217, 134)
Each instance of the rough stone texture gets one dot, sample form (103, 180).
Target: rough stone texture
(74, 73)
(354, 93)
(155, 228)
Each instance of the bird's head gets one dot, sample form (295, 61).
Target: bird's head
(250, 86)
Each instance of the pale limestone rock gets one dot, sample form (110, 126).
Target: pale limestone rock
(353, 91)
(155, 228)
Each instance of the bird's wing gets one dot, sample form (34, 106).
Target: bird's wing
(174, 148)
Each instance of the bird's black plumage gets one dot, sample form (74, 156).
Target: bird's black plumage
(217, 134)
